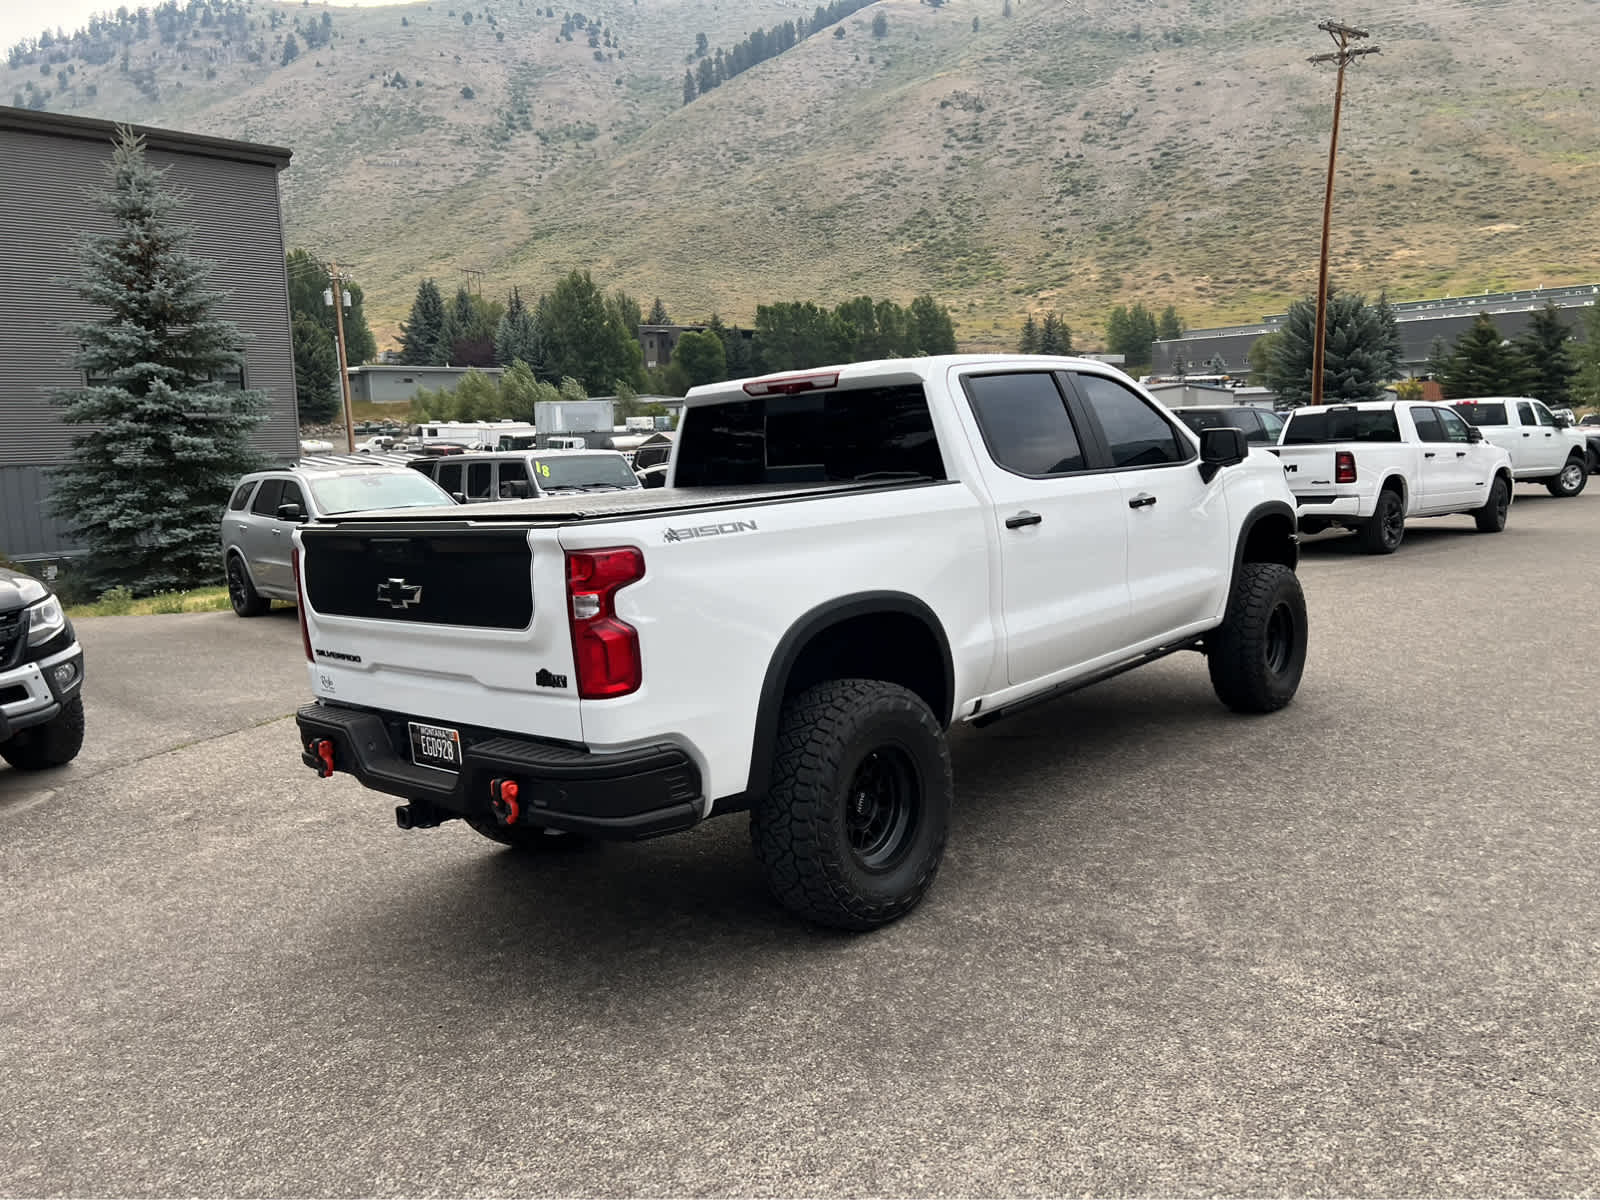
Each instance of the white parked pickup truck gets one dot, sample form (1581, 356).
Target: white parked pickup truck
(844, 563)
(1543, 449)
(1369, 466)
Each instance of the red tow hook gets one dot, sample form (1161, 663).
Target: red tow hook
(322, 748)
(503, 800)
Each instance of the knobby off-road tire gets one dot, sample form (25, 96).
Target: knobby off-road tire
(1256, 656)
(527, 839)
(1491, 518)
(852, 829)
(1573, 479)
(52, 744)
(1386, 529)
(246, 601)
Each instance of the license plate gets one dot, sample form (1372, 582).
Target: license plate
(435, 746)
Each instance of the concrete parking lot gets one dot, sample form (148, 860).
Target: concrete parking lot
(1351, 948)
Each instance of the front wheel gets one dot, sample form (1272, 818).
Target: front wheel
(1572, 480)
(52, 744)
(1491, 518)
(1383, 532)
(1258, 653)
(852, 829)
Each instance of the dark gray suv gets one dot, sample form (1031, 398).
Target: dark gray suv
(258, 526)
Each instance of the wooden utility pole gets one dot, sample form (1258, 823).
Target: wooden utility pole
(1342, 36)
(336, 298)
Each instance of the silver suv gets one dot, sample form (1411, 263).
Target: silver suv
(258, 525)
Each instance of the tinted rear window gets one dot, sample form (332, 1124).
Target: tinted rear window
(1482, 414)
(828, 436)
(1342, 425)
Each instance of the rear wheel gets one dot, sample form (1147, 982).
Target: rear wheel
(52, 744)
(852, 829)
(1491, 518)
(246, 601)
(1572, 480)
(1384, 531)
(1258, 653)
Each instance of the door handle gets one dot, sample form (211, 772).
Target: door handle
(1461, 453)
(1023, 518)
(1142, 500)
(1549, 435)
(1527, 435)
(1427, 454)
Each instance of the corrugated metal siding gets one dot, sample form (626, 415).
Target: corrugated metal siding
(26, 527)
(47, 186)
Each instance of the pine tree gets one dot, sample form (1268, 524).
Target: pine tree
(1054, 336)
(1354, 359)
(419, 333)
(164, 441)
(1586, 383)
(689, 89)
(316, 372)
(1547, 357)
(1028, 343)
(1482, 364)
(1439, 366)
(658, 314)
(517, 336)
(1394, 352)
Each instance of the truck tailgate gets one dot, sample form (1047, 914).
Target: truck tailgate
(1308, 469)
(480, 614)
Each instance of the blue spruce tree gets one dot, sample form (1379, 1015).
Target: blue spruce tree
(166, 435)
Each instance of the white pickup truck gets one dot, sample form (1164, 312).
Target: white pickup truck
(1542, 448)
(844, 563)
(1369, 466)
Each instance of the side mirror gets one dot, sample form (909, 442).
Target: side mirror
(458, 497)
(1474, 434)
(291, 512)
(1220, 448)
(1563, 423)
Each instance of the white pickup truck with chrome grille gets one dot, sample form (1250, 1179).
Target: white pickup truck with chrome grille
(844, 563)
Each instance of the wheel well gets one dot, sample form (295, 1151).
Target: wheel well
(1395, 484)
(1271, 539)
(892, 646)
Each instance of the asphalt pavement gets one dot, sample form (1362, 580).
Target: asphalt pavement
(1347, 949)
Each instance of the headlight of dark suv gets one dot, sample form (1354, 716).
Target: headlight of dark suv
(45, 620)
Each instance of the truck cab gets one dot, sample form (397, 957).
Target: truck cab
(1543, 448)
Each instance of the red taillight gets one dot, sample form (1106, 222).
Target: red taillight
(300, 604)
(1344, 466)
(605, 650)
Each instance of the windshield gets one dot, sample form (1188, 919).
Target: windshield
(392, 489)
(1481, 414)
(1342, 425)
(583, 471)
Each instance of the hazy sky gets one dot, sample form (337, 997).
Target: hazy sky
(25, 18)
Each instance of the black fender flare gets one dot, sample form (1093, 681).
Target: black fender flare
(818, 620)
(1268, 508)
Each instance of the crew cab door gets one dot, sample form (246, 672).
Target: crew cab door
(1438, 479)
(1552, 446)
(1060, 525)
(1472, 463)
(1179, 553)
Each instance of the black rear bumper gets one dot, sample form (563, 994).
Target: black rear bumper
(628, 795)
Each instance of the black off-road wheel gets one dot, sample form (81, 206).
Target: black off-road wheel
(246, 601)
(52, 744)
(1491, 518)
(852, 829)
(1386, 529)
(527, 839)
(1573, 479)
(1258, 653)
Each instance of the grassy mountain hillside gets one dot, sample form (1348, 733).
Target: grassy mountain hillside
(1072, 155)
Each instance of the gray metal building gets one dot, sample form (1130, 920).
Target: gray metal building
(383, 383)
(51, 167)
(1421, 322)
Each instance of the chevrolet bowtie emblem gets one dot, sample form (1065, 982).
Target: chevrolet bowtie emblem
(397, 593)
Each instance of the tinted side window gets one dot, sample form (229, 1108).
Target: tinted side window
(266, 503)
(514, 484)
(1135, 433)
(836, 435)
(1454, 428)
(1272, 423)
(1481, 414)
(1544, 416)
(1525, 413)
(480, 478)
(291, 495)
(241, 494)
(449, 477)
(1427, 423)
(1025, 423)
